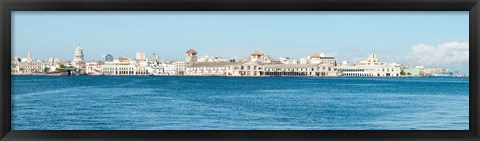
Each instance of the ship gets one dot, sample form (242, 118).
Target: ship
(60, 73)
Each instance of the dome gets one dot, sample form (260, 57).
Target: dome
(256, 53)
(315, 56)
(191, 51)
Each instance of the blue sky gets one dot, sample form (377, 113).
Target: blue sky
(404, 37)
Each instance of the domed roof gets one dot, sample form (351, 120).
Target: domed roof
(191, 51)
(256, 53)
(78, 47)
(315, 56)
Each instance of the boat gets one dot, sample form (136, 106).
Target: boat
(60, 73)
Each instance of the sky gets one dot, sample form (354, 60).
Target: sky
(431, 39)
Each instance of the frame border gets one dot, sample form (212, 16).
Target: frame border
(7, 6)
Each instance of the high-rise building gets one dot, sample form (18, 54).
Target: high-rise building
(191, 56)
(107, 58)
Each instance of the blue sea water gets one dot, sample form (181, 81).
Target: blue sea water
(238, 103)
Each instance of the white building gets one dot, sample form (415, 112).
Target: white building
(180, 67)
(371, 68)
(211, 69)
(26, 65)
(93, 68)
(125, 66)
(78, 58)
(322, 69)
(317, 59)
(155, 68)
(168, 69)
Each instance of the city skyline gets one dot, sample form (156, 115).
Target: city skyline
(233, 35)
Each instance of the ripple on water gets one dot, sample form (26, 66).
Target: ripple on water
(223, 103)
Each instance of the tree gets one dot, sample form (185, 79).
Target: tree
(402, 72)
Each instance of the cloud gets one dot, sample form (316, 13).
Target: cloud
(440, 55)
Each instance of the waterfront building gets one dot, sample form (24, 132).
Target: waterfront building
(317, 59)
(191, 56)
(93, 68)
(258, 66)
(140, 56)
(435, 71)
(168, 69)
(442, 74)
(26, 66)
(225, 69)
(371, 67)
(124, 66)
(155, 68)
(211, 69)
(107, 58)
(413, 71)
(78, 58)
(321, 69)
(180, 67)
(250, 67)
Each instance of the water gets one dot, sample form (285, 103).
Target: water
(238, 103)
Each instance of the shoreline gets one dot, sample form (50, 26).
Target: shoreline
(245, 76)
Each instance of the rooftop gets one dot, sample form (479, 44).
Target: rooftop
(256, 53)
(191, 51)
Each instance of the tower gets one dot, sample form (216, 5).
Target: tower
(191, 56)
(29, 57)
(255, 56)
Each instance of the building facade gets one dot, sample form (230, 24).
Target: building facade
(26, 65)
(93, 68)
(318, 59)
(124, 66)
(322, 69)
(371, 68)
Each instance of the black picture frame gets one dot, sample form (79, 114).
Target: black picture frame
(7, 6)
